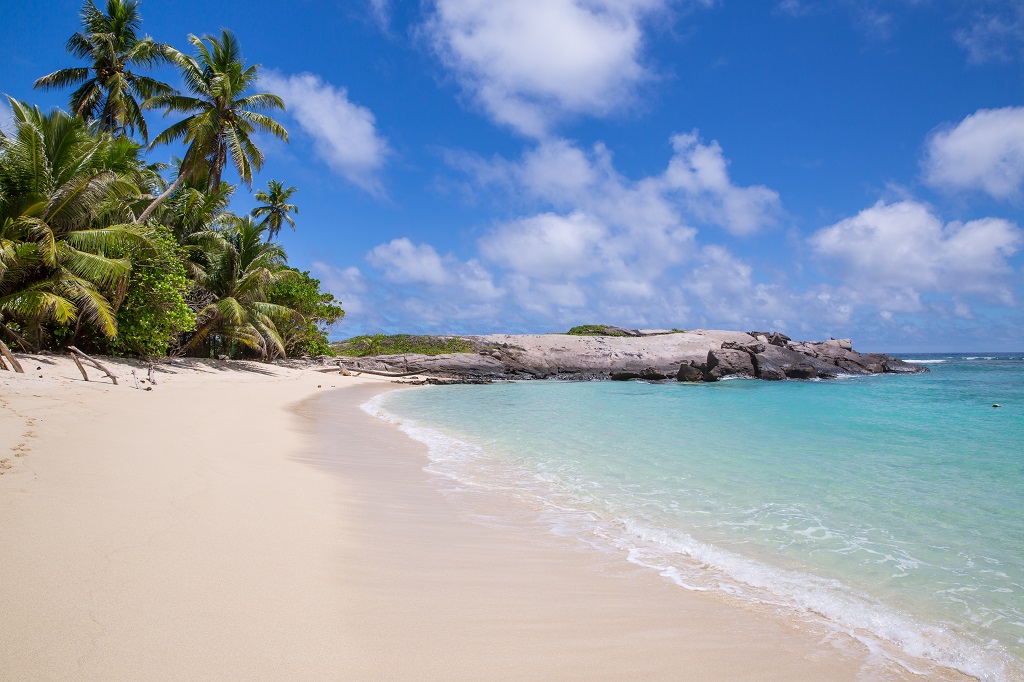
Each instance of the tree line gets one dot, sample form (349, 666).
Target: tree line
(99, 249)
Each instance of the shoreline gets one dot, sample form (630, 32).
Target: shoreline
(157, 534)
(513, 597)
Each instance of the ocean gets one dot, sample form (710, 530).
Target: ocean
(889, 508)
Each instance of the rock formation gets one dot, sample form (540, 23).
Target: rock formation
(699, 355)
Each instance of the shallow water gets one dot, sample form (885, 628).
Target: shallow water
(890, 507)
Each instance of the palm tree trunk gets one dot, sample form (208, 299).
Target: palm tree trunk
(160, 199)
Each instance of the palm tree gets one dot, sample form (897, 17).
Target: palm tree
(275, 207)
(109, 91)
(220, 115)
(238, 282)
(63, 187)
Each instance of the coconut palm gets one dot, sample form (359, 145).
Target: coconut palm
(109, 90)
(63, 186)
(220, 116)
(275, 208)
(238, 282)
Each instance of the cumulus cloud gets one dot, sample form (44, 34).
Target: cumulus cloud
(529, 62)
(347, 284)
(890, 255)
(600, 238)
(983, 152)
(695, 187)
(699, 171)
(344, 133)
(404, 262)
(548, 245)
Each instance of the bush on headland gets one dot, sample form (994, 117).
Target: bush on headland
(596, 330)
(99, 250)
(398, 344)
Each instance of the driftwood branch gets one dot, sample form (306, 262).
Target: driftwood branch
(79, 365)
(9, 356)
(95, 363)
(392, 375)
(152, 374)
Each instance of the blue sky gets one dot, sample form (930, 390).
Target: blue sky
(847, 168)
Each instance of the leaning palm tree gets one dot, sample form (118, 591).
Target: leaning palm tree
(220, 116)
(238, 283)
(63, 187)
(109, 90)
(275, 208)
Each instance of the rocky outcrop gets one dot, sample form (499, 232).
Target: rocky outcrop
(689, 372)
(727, 362)
(699, 355)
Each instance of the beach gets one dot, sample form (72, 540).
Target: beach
(246, 521)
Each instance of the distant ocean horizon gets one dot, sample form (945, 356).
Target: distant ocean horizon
(889, 508)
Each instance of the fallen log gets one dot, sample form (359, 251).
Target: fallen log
(95, 363)
(390, 375)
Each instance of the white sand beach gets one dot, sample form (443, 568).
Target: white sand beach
(238, 521)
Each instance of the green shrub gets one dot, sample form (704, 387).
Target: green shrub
(398, 344)
(594, 330)
(154, 310)
(319, 310)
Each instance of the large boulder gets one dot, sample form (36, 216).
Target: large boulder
(768, 370)
(652, 374)
(689, 372)
(897, 366)
(793, 364)
(749, 347)
(731, 362)
(847, 361)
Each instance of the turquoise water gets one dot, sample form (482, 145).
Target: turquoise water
(889, 507)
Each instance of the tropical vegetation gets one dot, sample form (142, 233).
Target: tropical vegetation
(397, 344)
(596, 330)
(98, 249)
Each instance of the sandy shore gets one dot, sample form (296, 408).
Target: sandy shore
(252, 524)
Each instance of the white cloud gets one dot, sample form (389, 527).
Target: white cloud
(344, 133)
(529, 62)
(406, 263)
(995, 33)
(347, 284)
(694, 187)
(983, 152)
(892, 254)
(700, 172)
(548, 245)
(602, 239)
(6, 118)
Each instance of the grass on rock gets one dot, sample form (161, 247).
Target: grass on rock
(399, 344)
